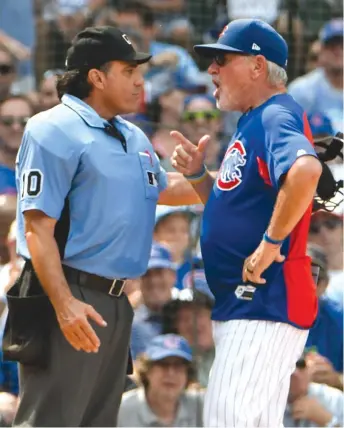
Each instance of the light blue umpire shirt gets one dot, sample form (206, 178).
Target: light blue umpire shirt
(112, 194)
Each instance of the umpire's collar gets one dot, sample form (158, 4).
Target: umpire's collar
(87, 113)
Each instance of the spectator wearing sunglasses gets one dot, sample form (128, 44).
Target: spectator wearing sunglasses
(326, 230)
(7, 73)
(310, 404)
(15, 111)
(325, 340)
(200, 116)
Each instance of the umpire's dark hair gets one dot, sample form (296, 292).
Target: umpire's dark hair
(75, 82)
(138, 7)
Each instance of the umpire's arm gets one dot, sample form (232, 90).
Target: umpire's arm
(39, 234)
(46, 164)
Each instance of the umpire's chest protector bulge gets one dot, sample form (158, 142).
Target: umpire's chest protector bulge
(112, 193)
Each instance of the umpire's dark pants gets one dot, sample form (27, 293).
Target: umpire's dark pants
(79, 388)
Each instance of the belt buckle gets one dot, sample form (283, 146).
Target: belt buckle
(118, 294)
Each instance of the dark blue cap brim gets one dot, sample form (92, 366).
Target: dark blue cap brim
(212, 49)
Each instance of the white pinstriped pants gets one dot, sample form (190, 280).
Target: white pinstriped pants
(249, 381)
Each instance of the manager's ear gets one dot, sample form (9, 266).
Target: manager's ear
(259, 66)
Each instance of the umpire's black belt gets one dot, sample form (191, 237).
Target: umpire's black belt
(113, 287)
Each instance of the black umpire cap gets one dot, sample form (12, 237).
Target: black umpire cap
(95, 46)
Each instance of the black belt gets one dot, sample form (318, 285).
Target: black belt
(113, 287)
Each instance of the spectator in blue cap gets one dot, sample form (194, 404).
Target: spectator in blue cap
(156, 290)
(320, 125)
(164, 374)
(321, 90)
(173, 228)
(189, 314)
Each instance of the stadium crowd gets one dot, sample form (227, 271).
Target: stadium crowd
(171, 340)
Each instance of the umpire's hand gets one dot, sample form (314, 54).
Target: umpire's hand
(73, 319)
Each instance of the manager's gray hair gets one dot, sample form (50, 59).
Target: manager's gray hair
(276, 74)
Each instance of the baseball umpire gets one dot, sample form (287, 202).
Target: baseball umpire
(89, 183)
(254, 230)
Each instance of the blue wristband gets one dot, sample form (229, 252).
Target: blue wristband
(267, 238)
(197, 176)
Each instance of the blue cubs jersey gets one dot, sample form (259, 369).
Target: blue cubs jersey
(266, 144)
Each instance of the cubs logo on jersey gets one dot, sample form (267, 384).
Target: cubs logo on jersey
(230, 173)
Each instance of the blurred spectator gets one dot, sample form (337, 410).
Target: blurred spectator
(200, 117)
(322, 129)
(11, 270)
(268, 10)
(321, 90)
(17, 33)
(320, 126)
(312, 61)
(189, 315)
(94, 9)
(47, 95)
(166, 113)
(15, 111)
(163, 398)
(140, 17)
(326, 230)
(8, 205)
(8, 408)
(156, 289)
(316, 13)
(55, 33)
(325, 340)
(8, 274)
(107, 16)
(310, 404)
(208, 18)
(173, 229)
(8, 74)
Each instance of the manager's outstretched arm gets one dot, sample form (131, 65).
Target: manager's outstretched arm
(188, 160)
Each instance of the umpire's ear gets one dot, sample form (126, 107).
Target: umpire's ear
(96, 78)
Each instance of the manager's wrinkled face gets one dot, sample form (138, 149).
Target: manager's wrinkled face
(234, 76)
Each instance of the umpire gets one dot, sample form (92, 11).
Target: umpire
(89, 183)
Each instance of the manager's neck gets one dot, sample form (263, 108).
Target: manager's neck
(260, 96)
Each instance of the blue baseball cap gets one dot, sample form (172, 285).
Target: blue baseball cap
(160, 258)
(207, 97)
(320, 124)
(332, 29)
(249, 36)
(168, 345)
(163, 211)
